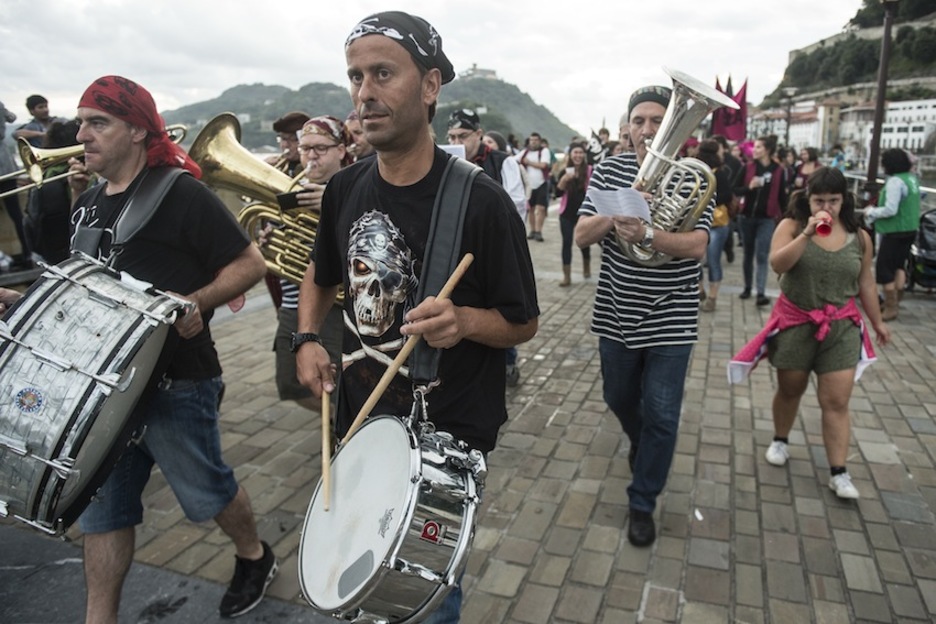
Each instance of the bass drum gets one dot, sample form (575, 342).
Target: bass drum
(396, 536)
(76, 353)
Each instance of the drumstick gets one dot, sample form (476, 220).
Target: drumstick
(326, 447)
(405, 351)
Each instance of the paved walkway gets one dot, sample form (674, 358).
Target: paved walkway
(740, 540)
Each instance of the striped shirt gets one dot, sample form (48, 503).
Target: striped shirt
(290, 295)
(637, 305)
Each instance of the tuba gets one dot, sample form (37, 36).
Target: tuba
(225, 163)
(680, 189)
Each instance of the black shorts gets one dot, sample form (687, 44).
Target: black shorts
(540, 195)
(892, 255)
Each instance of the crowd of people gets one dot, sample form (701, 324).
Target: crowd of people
(372, 180)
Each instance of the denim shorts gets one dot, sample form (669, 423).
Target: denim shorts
(182, 438)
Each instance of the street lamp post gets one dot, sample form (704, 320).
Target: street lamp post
(874, 151)
(789, 92)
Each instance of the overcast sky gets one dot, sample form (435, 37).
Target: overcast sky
(578, 58)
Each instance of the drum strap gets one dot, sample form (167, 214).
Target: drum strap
(145, 198)
(442, 254)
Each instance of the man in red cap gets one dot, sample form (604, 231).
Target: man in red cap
(190, 245)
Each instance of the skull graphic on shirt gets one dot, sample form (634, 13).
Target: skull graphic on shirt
(380, 272)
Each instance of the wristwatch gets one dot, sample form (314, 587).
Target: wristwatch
(648, 236)
(300, 338)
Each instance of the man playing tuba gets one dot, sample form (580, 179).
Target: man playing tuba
(645, 317)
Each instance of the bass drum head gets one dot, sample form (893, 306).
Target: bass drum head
(342, 550)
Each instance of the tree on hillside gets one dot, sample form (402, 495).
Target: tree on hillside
(872, 13)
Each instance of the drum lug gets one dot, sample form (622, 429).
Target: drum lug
(360, 617)
(413, 569)
(137, 436)
(453, 495)
(472, 462)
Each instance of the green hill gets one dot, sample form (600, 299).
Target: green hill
(509, 110)
(854, 58)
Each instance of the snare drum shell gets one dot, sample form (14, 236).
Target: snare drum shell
(92, 321)
(385, 512)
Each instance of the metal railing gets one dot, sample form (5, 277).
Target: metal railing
(857, 181)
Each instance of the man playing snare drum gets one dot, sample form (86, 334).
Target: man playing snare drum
(372, 239)
(191, 245)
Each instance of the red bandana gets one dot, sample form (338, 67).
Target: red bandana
(130, 102)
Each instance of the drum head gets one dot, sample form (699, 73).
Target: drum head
(372, 499)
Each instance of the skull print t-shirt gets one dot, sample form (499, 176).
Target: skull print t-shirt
(372, 239)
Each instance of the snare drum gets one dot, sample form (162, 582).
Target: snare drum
(401, 519)
(76, 353)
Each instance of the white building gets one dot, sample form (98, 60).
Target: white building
(908, 124)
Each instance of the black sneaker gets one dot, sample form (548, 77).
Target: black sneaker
(640, 529)
(745, 294)
(250, 582)
(763, 300)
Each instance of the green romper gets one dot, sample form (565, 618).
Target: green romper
(820, 277)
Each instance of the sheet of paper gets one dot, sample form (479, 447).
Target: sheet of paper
(456, 149)
(622, 202)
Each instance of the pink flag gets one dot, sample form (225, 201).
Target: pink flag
(730, 123)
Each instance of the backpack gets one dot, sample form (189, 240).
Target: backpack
(46, 222)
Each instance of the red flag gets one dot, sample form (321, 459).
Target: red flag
(718, 85)
(729, 90)
(730, 123)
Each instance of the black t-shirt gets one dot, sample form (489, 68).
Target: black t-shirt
(372, 238)
(187, 241)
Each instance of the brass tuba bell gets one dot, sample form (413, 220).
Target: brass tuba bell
(680, 189)
(227, 164)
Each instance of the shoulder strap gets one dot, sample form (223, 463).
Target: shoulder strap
(149, 195)
(442, 249)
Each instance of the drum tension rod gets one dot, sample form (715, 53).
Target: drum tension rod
(63, 467)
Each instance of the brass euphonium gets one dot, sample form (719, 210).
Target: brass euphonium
(680, 189)
(225, 163)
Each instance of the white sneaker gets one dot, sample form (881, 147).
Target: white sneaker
(842, 486)
(777, 453)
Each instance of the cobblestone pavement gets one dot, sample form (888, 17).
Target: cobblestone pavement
(740, 540)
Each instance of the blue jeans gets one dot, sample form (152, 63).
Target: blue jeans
(716, 246)
(511, 356)
(182, 437)
(449, 611)
(755, 236)
(644, 389)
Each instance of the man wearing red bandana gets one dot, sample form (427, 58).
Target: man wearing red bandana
(190, 245)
